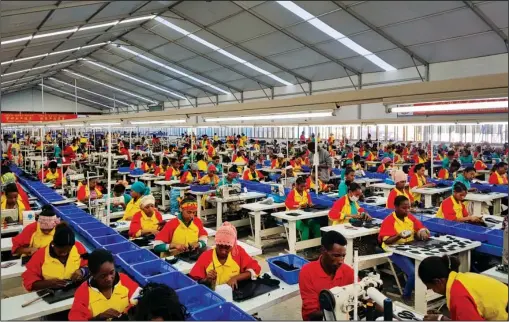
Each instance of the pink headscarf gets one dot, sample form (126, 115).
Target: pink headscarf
(399, 175)
(48, 222)
(227, 235)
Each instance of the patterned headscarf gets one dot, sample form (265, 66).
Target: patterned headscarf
(227, 235)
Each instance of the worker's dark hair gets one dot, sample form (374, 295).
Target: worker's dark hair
(349, 170)
(199, 157)
(64, 236)
(354, 187)
(434, 267)
(332, 237)
(53, 165)
(11, 187)
(251, 162)
(467, 151)
(500, 165)
(47, 211)
(455, 164)
(419, 166)
(159, 301)
(165, 161)
(450, 153)
(311, 146)
(459, 187)
(215, 157)
(119, 188)
(300, 180)
(173, 160)
(399, 200)
(421, 151)
(357, 158)
(5, 169)
(97, 258)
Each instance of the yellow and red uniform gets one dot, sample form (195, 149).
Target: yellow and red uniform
(479, 165)
(43, 266)
(211, 152)
(392, 226)
(350, 155)
(248, 175)
(89, 302)
(439, 157)
(70, 152)
(176, 232)
(451, 209)
(446, 175)
(341, 208)
(240, 159)
(58, 177)
(208, 180)
(371, 157)
(84, 191)
(141, 221)
(417, 181)
(202, 166)
(131, 209)
(381, 168)
(160, 171)
(475, 297)
(171, 172)
(187, 177)
(311, 185)
(235, 264)
(313, 279)
(146, 168)
(32, 236)
(394, 193)
(496, 178)
(294, 200)
(22, 195)
(398, 158)
(20, 206)
(418, 159)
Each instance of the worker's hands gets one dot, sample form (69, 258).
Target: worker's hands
(108, 314)
(423, 234)
(77, 276)
(211, 276)
(474, 219)
(232, 282)
(365, 216)
(29, 251)
(56, 283)
(180, 248)
(195, 246)
(161, 224)
(405, 233)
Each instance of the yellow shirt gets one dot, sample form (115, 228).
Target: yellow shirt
(131, 209)
(224, 271)
(53, 268)
(202, 165)
(40, 240)
(20, 205)
(207, 180)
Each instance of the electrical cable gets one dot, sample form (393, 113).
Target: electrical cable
(407, 315)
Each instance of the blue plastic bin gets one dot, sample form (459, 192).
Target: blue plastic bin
(495, 237)
(291, 259)
(107, 240)
(472, 232)
(175, 280)
(198, 298)
(221, 312)
(438, 225)
(90, 226)
(121, 247)
(490, 249)
(100, 232)
(143, 271)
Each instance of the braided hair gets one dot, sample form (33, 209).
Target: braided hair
(159, 301)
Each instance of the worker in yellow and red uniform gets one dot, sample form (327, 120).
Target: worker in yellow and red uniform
(148, 165)
(402, 227)
(278, 161)
(479, 164)
(348, 207)
(71, 149)
(161, 169)
(138, 190)
(451, 173)
(201, 163)
(331, 139)
(310, 183)
(107, 294)
(420, 157)
(299, 197)
(53, 175)
(91, 190)
(469, 296)
(297, 162)
(499, 175)
(9, 177)
(173, 172)
(251, 173)
(418, 180)
(385, 165)
(371, 155)
(192, 175)
(440, 155)
(211, 178)
(52, 266)
(11, 200)
(453, 207)
(184, 233)
(400, 180)
(228, 263)
(211, 150)
(147, 221)
(36, 235)
(124, 150)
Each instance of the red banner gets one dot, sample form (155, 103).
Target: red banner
(35, 117)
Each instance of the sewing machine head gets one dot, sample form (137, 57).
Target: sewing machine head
(277, 189)
(11, 214)
(228, 190)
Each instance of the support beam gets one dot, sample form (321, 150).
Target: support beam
(487, 21)
(64, 5)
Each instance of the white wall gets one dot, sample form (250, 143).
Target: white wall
(30, 101)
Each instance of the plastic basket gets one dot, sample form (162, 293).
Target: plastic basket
(198, 298)
(128, 259)
(437, 225)
(221, 312)
(175, 280)
(495, 237)
(121, 247)
(291, 259)
(90, 226)
(472, 232)
(200, 188)
(107, 240)
(490, 249)
(100, 232)
(143, 271)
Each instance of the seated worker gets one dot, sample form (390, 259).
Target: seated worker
(277, 161)
(107, 294)
(466, 178)
(323, 274)
(202, 164)
(450, 174)
(36, 235)
(420, 157)
(297, 163)
(251, 173)
(53, 175)
(192, 175)
(448, 159)
(440, 155)
(466, 157)
(9, 177)
(227, 263)
(161, 169)
(397, 156)
(240, 157)
(70, 150)
(138, 190)
(298, 198)
(211, 178)
(10, 200)
(389, 153)
(400, 179)
(158, 302)
(91, 191)
(402, 227)
(498, 176)
(346, 181)
(310, 183)
(121, 199)
(124, 150)
(371, 155)
(418, 180)
(469, 296)
(136, 162)
(173, 172)
(216, 161)
(211, 150)
(147, 220)
(230, 178)
(453, 208)
(52, 266)
(385, 166)
(148, 166)
(182, 232)
(356, 164)
(479, 164)
(347, 207)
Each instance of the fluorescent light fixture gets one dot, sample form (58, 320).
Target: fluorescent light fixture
(71, 94)
(105, 124)
(20, 79)
(452, 106)
(172, 69)
(54, 125)
(158, 122)
(5, 42)
(86, 90)
(74, 125)
(112, 87)
(135, 79)
(221, 51)
(67, 31)
(333, 33)
(269, 117)
(45, 66)
(99, 25)
(137, 19)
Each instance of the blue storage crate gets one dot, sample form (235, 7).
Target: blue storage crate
(472, 232)
(107, 240)
(100, 232)
(490, 249)
(437, 225)
(198, 298)
(175, 280)
(90, 226)
(291, 259)
(121, 247)
(267, 163)
(495, 237)
(221, 312)
(143, 271)
(137, 256)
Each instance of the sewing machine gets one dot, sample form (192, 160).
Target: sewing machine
(229, 190)
(277, 192)
(12, 214)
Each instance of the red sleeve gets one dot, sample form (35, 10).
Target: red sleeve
(23, 239)
(310, 201)
(290, 201)
(135, 225)
(273, 164)
(417, 224)
(183, 177)
(245, 176)
(387, 228)
(131, 285)
(247, 262)
(308, 295)
(132, 166)
(493, 179)
(390, 199)
(260, 175)
(166, 234)
(201, 230)
(81, 250)
(381, 169)
(24, 197)
(167, 175)
(41, 174)
(413, 181)
(158, 216)
(33, 272)
(335, 212)
(81, 193)
(156, 170)
(461, 304)
(448, 210)
(80, 306)
(198, 271)
(58, 182)
(308, 183)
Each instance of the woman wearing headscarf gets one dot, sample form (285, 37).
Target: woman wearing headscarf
(400, 189)
(146, 221)
(36, 235)
(228, 263)
(138, 190)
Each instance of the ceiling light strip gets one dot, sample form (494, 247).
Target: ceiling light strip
(135, 79)
(39, 67)
(221, 51)
(443, 106)
(93, 93)
(112, 87)
(158, 122)
(269, 117)
(71, 94)
(333, 33)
